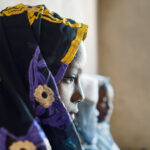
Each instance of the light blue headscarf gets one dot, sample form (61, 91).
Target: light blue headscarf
(94, 135)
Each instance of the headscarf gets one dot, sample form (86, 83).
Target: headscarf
(86, 118)
(94, 135)
(90, 88)
(36, 46)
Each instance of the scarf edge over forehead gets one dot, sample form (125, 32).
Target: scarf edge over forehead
(49, 16)
(40, 11)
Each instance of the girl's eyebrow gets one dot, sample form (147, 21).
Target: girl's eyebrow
(70, 76)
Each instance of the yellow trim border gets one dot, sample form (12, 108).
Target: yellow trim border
(31, 10)
(46, 14)
(20, 8)
(81, 35)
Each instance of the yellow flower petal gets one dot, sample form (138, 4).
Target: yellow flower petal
(44, 95)
(27, 145)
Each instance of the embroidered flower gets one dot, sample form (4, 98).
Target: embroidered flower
(44, 95)
(22, 145)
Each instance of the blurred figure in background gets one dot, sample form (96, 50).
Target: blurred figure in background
(105, 107)
(94, 115)
(86, 118)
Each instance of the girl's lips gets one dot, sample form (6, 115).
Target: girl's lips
(72, 115)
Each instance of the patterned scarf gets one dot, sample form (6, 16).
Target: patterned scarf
(36, 47)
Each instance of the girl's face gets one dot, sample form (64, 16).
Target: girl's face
(105, 103)
(70, 88)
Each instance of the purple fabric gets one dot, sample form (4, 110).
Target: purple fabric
(35, 77)
(60, 72)
(34, 135)
(55, 115)
(58, 116)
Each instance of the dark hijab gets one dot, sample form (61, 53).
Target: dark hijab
(36, 46)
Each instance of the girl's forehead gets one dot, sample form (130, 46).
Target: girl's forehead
(77, 65)
(80, 58)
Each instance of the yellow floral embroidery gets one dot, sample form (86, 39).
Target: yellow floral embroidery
(22, 145)
(18, 9)
(49, 16)
(44, 95)
(31, 12)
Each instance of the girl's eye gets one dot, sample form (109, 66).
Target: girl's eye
(69, 79)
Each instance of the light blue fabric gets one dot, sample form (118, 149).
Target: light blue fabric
(104, 138)
(86, 121)
(94, 136)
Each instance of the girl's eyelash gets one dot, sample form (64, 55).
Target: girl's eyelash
(69, 79)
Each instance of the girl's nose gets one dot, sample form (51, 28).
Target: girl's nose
(78, 95)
